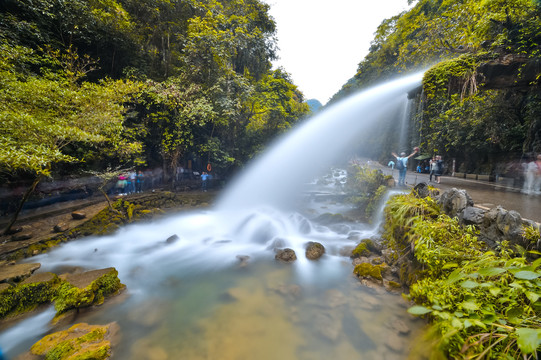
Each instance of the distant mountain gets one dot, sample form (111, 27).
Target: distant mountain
(314, 104)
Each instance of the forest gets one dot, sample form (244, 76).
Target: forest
(93, 86)
(480, 103)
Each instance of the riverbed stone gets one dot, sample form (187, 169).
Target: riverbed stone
(286, 255)
(399, 326)
(172, 239)
(314, 250)
(395, 342)
(60, 227)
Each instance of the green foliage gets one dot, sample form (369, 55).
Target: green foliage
(482, 304)
(366, 187)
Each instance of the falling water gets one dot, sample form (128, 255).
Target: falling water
(404, 126)
(190, 299)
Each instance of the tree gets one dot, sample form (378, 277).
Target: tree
(44, 120)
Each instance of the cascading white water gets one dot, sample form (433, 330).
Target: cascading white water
(256, 214)
(278, 175)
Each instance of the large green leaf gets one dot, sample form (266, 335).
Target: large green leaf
(419, 310)
(527, 275)
(528, 340)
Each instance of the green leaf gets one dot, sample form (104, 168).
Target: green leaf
(492, 271)
(470, 305)
(495, 291)
(455, 276)
(419, 310)
(528, 340)
(468, 284)
(449, 266)
(527, 275)
(533, 297)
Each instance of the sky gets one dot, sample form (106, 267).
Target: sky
(321, 42)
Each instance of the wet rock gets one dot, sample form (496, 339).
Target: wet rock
(87, 289)
(17, 272)
(81, 341)
(171, 239)
(78, 215)
(286, 255)
(360, 260)
(314, 250)
(61, 227)
(243, 260)
(354, 235)
(22, 237)
(500, 224)
(454, 201)
(473, 216)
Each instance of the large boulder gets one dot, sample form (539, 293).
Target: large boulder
(473, 216)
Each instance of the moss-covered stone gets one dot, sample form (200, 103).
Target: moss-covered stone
(90, 288)
(365, 247)
(369, 270)
(26, 296)
(81, 341)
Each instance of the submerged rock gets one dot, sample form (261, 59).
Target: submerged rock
(314, 250)
(17, 272)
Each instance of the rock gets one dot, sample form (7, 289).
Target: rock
(243, 260)
(396, 343)
(360, 260)
(328, 219)
(276, 244)
(399, 326)
(314, 250)
(454, 201)
(421, 190)
(473, 216)
(335, 298)
(328, 325)
(87, 289)
(286, 255)
(79, 341)
(171, 239)
(78, 215)
(21, 237)
(61, 227)
(345, 251)
(293, 291)
(17, 272)
(14, 230)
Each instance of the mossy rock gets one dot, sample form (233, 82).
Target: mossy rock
(369, 270)
(81, 341)
(365, 248)
(38, 289)
(87, 289)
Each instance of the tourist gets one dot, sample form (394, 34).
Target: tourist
(438, 169)
(402, 165)
(121, 184)
(530, 174)
(139, 181)
(391, 164)
(432, 167)
(537, 186)
(204, 181)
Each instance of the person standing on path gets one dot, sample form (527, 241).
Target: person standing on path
(432, 167)
(438, 169)
(402, 165)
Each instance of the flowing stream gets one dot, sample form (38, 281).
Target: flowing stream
(194, 299)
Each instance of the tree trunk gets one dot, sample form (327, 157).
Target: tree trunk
(21, 204)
